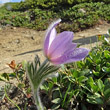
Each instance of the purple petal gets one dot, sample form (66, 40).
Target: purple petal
(60, 44)
(53, 34)
(61, 50)
(50, 35)
(71, 56)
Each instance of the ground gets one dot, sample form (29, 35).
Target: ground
(23, 44)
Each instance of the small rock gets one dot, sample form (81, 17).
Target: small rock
(81, 35)
(82, 10)
(13, 28)
(8, 25)
(27, 36)
(17, 41)
(33, 37)
(97, 28)
(100, 31)
(0, 28)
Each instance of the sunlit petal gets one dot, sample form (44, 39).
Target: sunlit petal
(59, 49)
(60, 44)
(71, 56)
(50, 35)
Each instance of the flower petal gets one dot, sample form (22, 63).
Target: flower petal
(60, 44)
(50, 35)
(61, 50)
(71, 56)
(53, 34)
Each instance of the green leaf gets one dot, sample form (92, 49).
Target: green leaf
(108, 64)
(48, 71)
(54, 79)
(96, 73)
(50, 85)
(98, 68)
(55, 107)
(6, 76)
(12, 75)
(90, 80)
(93, 85)
(83, 106)
(100, 85)
(107, 93)
(65, 96)
(44, 87)
(28, 90)
(89, 61)
(82, 79)
(75, 73)
(24, 63)
(107, 82)
(56, 93)
(106, 69)
(85, 71)
(2, 78)
(107, 54)
(56, 101)
(106, 40)
(95, 99)
(21, 85)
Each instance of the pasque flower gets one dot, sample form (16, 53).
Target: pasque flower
(59, 48)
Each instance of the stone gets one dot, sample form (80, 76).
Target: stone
(81, 35)
(17, 41)
(97, 28)
(33, 37)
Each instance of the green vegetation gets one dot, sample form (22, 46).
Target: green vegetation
(37, 14)
(83, 85)
(47, 4)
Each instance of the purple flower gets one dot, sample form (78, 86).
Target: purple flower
(59, 48)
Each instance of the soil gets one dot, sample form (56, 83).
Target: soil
(23, 44)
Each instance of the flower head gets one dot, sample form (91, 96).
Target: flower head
(59, 48)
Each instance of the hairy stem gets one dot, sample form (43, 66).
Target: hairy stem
(38, 100)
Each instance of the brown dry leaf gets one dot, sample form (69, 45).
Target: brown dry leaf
(12, 65)
(28, 95)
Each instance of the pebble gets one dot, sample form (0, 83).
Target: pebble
(17, 41)
(81, 35)
(97, 28)
(100, 31)
(14, 28)
(0, 28)
(82, 10)
(33, 37)
(27, 36)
